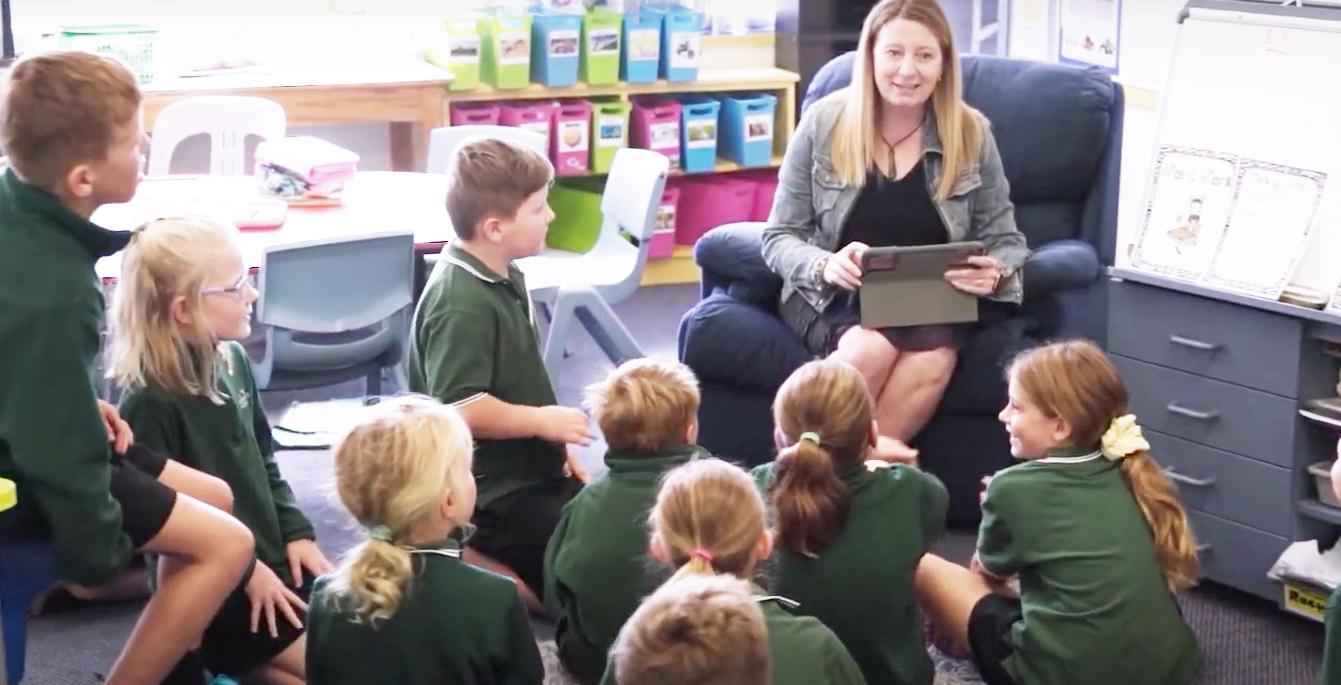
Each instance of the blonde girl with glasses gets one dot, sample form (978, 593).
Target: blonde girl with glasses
(182, 306)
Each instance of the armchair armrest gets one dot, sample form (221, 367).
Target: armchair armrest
(731, 259)
(1060, 265)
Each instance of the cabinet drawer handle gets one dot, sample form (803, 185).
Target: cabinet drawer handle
(1188, 480)
(1203, 548)
(1194, 343)
(1193, 413)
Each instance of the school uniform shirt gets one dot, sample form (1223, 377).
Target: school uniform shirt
(456, 624)
(596, 564)
(861, 586)
(475, 334)
(1330, 673)
(1095, 606)
(53, 442)
(802, 650)
(230, 440)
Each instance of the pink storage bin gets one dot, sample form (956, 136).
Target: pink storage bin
(530, 115)
(708, 203)
(570, 138)
(475, 113)
(662, 243)
(765, 187)
(655, 125)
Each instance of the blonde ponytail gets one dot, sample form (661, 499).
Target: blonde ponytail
(1175, 547)
(392, 471)
(708, 518)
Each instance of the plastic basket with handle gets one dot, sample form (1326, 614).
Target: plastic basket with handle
(131, 43)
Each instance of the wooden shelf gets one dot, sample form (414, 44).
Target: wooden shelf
(1312, 508)
(723, 166)
(678, 269)
(709, 81)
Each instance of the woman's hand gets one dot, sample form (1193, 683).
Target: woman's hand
(843, 269)
(980, 277)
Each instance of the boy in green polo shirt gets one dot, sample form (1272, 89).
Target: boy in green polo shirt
(596, 561)
(475, 346)
(71, 126)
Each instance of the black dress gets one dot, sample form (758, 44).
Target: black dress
(892, 212)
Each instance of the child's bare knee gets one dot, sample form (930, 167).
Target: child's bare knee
(221, 496)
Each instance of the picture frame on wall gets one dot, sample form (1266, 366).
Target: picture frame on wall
(1090, 32)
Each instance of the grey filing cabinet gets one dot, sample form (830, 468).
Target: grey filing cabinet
(1217, 381)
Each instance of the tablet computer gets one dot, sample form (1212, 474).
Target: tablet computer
(906, 286)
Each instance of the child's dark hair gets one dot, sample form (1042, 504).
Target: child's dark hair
(827, 402)
(491, 178)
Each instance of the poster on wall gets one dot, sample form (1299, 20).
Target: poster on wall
(1190, 197)
(1089, 32)
(1032, 32)
(1269, 227)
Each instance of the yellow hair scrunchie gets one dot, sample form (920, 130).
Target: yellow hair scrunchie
(1123, 438)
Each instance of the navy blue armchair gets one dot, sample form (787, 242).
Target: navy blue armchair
(1059, 129)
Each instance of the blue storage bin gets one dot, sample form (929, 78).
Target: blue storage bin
(681, 41)
(556, 38)
(642, 48)
(698, 132)
(747, 125)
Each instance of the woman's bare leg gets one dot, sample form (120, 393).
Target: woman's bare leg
(912, 391)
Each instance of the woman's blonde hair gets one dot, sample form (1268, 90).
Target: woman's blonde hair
(856, 134)
(810, 501)
(708, 506)
(1074, 380)
(167, 258)
(704, 630)
(393, 469)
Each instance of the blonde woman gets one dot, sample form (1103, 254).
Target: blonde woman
(897, 158)
(710, 519)
(402, 607)
(1092, 528)
(183, 302)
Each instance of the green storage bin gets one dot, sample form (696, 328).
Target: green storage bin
(601, 36)
(577, 214)
(459, 51)
(609, 132)
(505, 61)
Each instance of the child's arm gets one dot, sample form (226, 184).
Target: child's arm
(554, 595)
(56, 436)
(1001, 542)
(489, 417)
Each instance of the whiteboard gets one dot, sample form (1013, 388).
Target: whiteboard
(1258, 83)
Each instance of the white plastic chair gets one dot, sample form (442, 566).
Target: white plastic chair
(443, 142)
(582, 287)
(227, 119)
(335, 310)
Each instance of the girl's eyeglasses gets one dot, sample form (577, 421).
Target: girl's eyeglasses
(236, 289)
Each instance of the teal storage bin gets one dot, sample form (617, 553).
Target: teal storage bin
(555, 46)
(698, 132)
(681, 41)
(747, 128)
(642, 48)
(505, 62)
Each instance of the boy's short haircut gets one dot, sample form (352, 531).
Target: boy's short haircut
(61, 109)
(491, 178)
(700, 629)
(645, 404)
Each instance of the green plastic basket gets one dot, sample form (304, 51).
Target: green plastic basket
(505, 61)
(609, 132)
(459, 52)
(577, 214)
(130, 43)
(601, 36)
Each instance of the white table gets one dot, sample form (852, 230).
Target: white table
(374, 202)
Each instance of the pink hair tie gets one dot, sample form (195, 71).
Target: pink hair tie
(700, 553)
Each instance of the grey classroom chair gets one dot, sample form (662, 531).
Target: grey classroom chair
(226, 119)
(336, 310)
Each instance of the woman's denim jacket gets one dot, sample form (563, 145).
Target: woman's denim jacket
(812, 204)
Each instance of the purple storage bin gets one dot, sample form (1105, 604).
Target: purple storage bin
(570, 139)
(475, 113)
(655, 125)
(706, 203)
(531, 115)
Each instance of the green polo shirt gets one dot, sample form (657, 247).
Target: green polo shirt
(456, 624)
(1330, 673)
(596, 563)
(53, 442)
(861, 586)
(1095, 606)
(230, 441)
(475, 334)
(802, 650)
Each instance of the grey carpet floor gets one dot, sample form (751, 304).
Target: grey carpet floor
(1246, 641)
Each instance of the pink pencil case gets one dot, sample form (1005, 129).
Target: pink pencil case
(322, 165)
